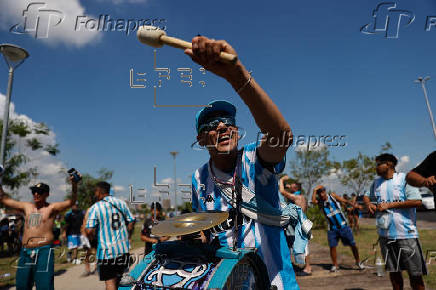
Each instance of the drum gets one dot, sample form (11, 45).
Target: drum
(188, 265)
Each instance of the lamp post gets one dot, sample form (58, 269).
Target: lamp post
(174, 154)
(14, 57)
(422, 82)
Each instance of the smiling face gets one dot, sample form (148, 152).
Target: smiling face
(219, 136)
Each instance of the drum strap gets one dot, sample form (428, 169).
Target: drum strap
(229, 223)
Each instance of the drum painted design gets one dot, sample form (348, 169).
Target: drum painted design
(179, 274)
(181, 265)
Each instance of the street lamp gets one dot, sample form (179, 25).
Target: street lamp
(422, 82)
(174, 154)
(14, 57)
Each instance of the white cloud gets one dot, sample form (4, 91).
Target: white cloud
(11, 13)
(403, 163)
(52, 171)
(170, 181)
(310, 147)
(118, 188)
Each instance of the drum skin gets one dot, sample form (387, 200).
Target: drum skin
(183, 265)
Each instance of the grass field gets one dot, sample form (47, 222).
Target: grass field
(367, 236)
(8, 265)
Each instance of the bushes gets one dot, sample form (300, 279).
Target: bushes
(317, 217)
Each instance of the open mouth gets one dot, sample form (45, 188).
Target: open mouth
(224, 139)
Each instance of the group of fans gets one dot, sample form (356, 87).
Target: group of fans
(396, 198)
(250, 175)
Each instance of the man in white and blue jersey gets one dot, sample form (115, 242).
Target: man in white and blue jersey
(254, 166)
(330, 205)
(396, 222)
(109, 220)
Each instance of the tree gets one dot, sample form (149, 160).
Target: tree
(86, 187)
(309, 166)
(385, 148)
(357, 173)
(14, 175)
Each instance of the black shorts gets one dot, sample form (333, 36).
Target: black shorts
(112, 268)
(404, 254)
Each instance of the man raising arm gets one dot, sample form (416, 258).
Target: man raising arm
(36, 263)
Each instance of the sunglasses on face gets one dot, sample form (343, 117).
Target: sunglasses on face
(37, 192)
(213, 124)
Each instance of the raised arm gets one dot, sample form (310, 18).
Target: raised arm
(296, 199)
(314, 194)
(341, 199)
(282, 189)
(266, 114)
(11, 203)
(61, 206)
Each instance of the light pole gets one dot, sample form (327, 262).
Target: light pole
(174, 154)
(14, 57)
(422, 82)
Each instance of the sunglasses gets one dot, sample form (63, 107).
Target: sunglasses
(37, 192)
(213, 124)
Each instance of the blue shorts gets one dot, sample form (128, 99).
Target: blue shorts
(344, 234)
(36, 266)
(73, 241)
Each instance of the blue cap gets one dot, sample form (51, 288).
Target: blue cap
(214, 106)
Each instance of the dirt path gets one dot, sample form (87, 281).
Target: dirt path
(346, 278)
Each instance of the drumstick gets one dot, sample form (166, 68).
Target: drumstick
(155, 37)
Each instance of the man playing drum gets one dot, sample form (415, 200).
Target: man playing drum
(254, 166)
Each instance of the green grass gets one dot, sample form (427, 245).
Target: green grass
(7, 264)
(367, 236)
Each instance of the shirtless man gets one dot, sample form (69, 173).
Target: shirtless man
(36, 263)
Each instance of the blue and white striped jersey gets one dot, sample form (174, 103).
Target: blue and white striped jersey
(269, 240)
(402, 220)
(333, 212)
(113, 239)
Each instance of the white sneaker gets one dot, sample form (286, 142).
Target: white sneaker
(360, 266)
(127, 280)
(78, 262)
(334, 269)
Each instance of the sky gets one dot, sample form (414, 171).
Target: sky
(326, 76)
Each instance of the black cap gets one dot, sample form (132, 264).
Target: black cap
(158, 206)
(40, 187)
(386, 157)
